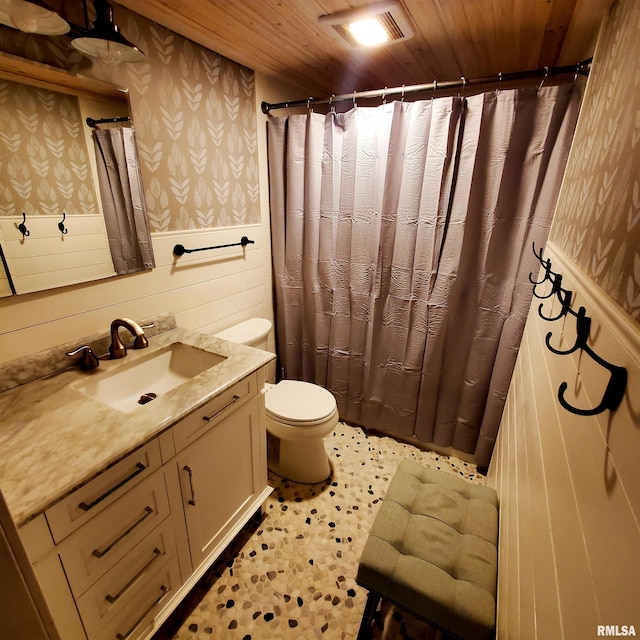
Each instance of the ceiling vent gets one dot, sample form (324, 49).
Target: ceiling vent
(388, 19)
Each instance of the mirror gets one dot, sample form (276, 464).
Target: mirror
(52, 227)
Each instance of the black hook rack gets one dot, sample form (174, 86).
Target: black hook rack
(180, 250)
(614, 392)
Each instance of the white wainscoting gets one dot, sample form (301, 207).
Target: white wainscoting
(47, 258)
(569, 485)
(206, 291)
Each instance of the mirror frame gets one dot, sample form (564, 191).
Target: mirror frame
(45, 76)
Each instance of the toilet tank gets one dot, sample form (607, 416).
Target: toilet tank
(253, 333)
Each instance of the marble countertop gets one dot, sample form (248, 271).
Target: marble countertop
(54, 437)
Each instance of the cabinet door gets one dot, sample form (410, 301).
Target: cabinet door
(219, 476)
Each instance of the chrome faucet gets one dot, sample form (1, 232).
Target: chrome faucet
(117, 348)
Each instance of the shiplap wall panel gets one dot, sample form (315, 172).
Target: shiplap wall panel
(568, 484)
(170, 274)
(526, 533)
(5, 287)
(570, 560)
(47, 258)
(100, 256)
(541, 552)
(206, 290)
(43, 280)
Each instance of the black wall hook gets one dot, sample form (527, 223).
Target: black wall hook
(556, 286)
(545, 263)
(565, 306)
(22, 227)
(613, 394)
(583, 327)
(61, 226)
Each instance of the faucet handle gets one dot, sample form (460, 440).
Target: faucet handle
(140, 342)
(89, 360)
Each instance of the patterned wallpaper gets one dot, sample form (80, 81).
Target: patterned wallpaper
(43, 154)
(597, 219)
(194, 117)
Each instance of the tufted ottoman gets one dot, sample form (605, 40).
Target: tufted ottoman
(432, 551)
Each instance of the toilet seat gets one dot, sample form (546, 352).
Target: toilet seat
(300, 404)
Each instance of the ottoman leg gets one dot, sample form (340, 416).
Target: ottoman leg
(367, 617)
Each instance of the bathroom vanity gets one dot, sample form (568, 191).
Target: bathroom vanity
(122, 510)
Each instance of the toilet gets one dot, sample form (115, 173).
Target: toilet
(299, 415)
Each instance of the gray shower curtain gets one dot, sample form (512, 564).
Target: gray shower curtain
(122, 196)
(401, 250)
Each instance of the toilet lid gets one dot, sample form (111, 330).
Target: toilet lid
(294, 401)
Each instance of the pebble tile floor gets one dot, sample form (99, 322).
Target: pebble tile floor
(290, 575)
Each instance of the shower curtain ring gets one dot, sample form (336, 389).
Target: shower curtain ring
(546, 73)
(435, 86)
(402, 96)
(464, 84)
(309, 107)
(355, 104)
(499, 81)
(332, 108)
(384, 96)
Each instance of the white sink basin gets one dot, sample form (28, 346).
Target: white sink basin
(134, 385)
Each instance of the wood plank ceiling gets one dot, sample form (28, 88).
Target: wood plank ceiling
(454, 38)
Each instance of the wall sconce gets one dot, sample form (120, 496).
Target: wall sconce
(32, 16)
(104, 40)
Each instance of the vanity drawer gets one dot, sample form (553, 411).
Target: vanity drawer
(194, 425)
(133, 621)
(91, 551)
(113, 592)
(93, 497)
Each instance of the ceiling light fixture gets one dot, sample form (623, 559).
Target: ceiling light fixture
(104, 40)
(32, 16)
(376, 24)
(368, 32)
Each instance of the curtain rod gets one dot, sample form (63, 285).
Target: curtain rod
(581, 68)
(92, 122)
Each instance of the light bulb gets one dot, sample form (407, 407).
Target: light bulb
(368, 32)
(110, 54)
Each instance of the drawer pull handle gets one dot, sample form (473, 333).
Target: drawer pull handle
(111, 599)
(124, 636)
(219, 411)
(192, 502)
(101, 553)
(139, 469)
